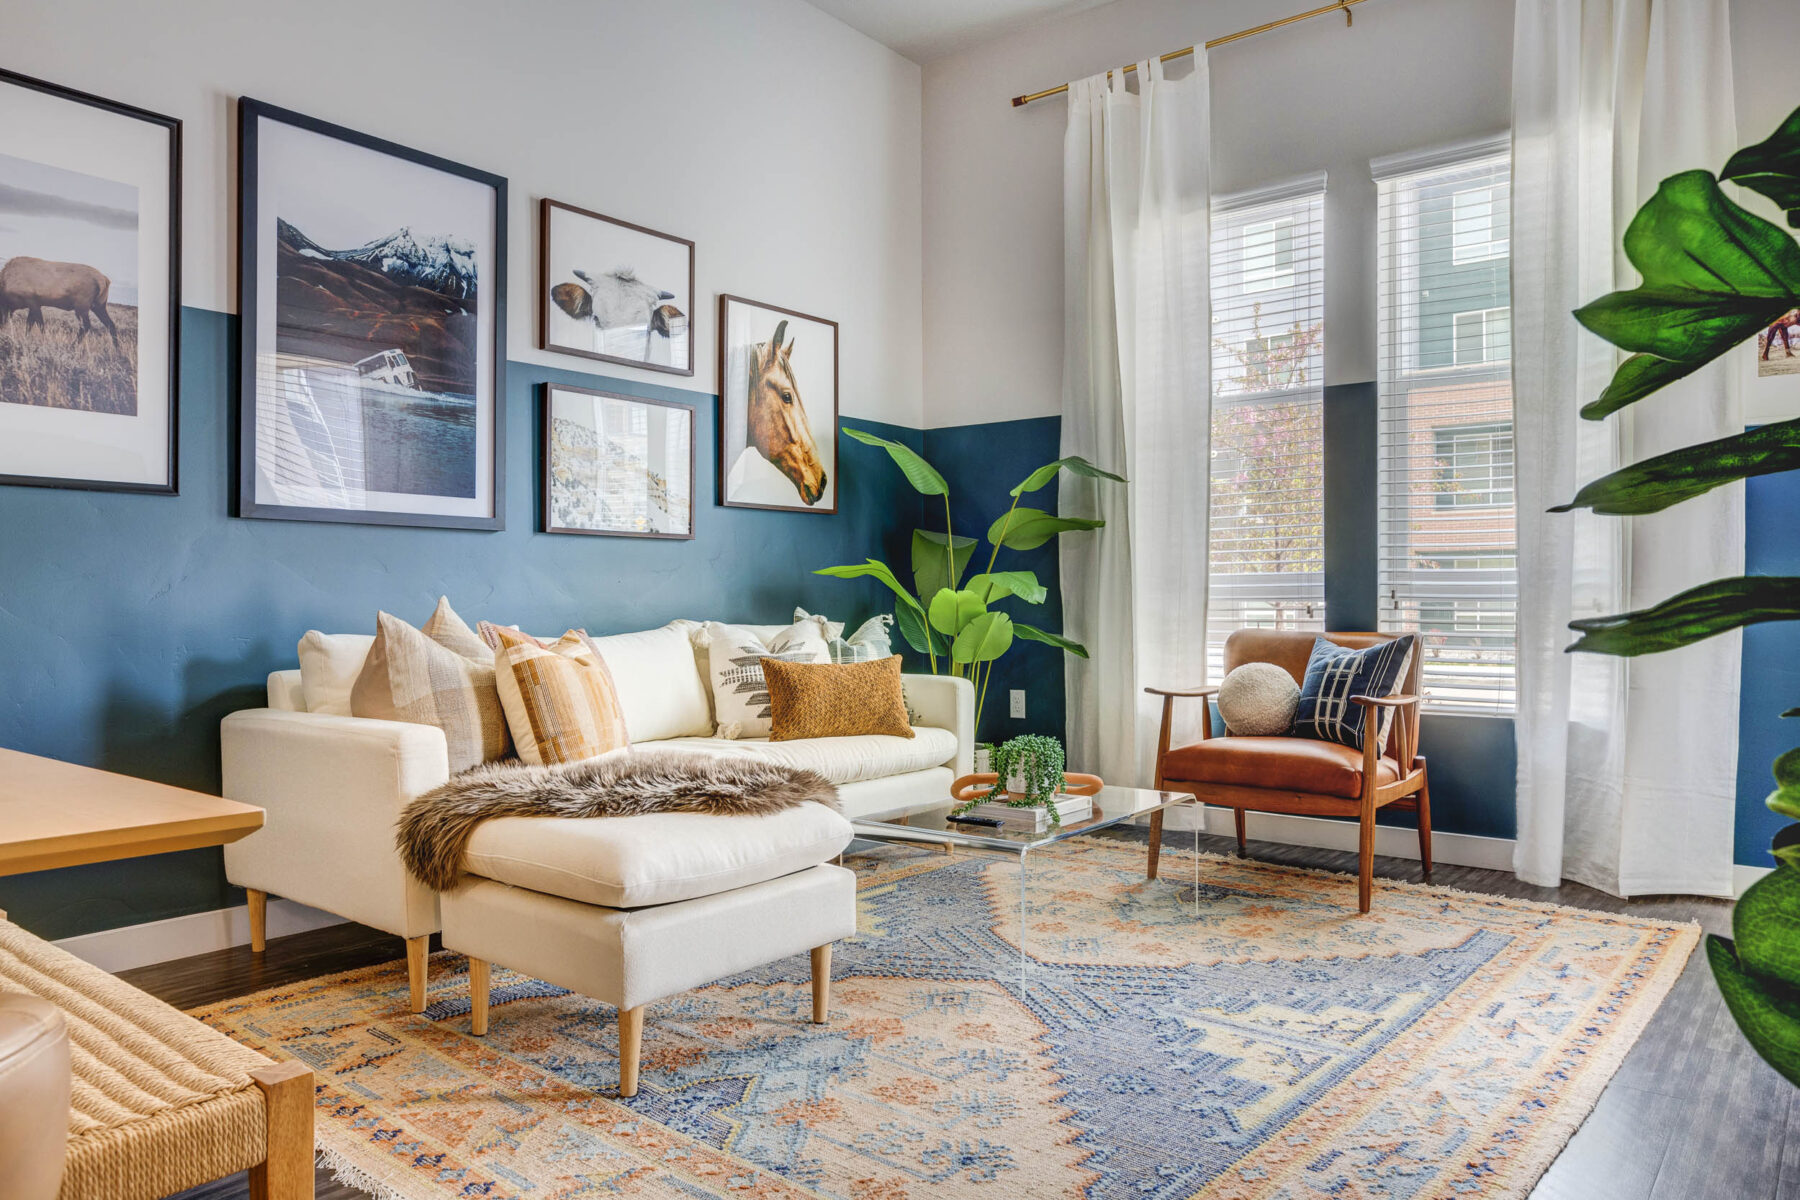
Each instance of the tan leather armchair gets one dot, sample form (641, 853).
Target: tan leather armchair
(1303, 776)
(34, 1097)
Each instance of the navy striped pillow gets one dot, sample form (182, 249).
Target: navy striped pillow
(1335, 673)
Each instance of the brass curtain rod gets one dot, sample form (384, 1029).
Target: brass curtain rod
(1342, 6)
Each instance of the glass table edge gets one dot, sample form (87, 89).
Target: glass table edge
(871, 829)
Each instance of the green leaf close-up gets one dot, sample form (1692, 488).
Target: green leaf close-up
(1692, 616)
(919, 635)
(997, 585)
(932, 555)
(1772, 167)
(875, 569)
(1074, 464)
(1031, 634)
(1765, 926)
(1637, 377)
(984, 639)
(1656, 483)
(1767, 1012)
(1029, 528)
(950, 612)
(922, 475)
(1785, 799)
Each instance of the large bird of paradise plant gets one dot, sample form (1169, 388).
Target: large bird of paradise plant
(947, 618)
(1714, 275)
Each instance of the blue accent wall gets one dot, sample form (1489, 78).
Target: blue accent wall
(134, 623)
(1771, 665)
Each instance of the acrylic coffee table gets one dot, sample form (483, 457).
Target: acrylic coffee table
(930, 824)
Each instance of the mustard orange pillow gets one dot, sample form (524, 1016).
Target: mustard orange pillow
(559, 698)
(814, 700)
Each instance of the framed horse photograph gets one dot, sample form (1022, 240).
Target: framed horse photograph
(90, 290)
(778, 408)
(614, 291)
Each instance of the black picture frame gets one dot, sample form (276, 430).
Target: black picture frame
(546, 210)
(171, 485)
(250, 113)
(727, 436)
(548, 522)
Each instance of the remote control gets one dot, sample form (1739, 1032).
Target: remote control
(976, 821)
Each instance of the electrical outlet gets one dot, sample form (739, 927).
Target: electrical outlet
(1018, 702)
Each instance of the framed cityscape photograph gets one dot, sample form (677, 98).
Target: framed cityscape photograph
(372, 291)
(614, 291)
(90, 290)
(620, 466)
(778, 408)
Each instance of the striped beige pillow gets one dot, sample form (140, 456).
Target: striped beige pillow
(559, 699)
(412, 676)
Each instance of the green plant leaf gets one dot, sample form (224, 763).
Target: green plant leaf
(931, 560)
(951, 611)
(1766, 927)
(879, 570)
(921, 474)
(1767, 1013)
(1713, 275)
(1029, 528)
(1692, 616)
(920, 636)
(1074, 464)
(984, 639)
(1792, 712)
(1656, 483)
(1772, 167)
(1637, 377)
(1785, 845)
(1785, 799)
(997, 585)
(1050, 639)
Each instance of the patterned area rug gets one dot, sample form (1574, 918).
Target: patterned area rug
(1277, 1045)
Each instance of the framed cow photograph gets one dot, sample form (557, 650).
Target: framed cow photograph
(614, 291)
(90, 290)
(372, 283)
(778, 408)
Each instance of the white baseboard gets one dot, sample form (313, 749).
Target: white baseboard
(197, 933)
(1458, 849)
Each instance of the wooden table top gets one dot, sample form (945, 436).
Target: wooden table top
(57, 814)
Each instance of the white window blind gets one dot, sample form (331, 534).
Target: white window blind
(1267, 553)
(1448, 541)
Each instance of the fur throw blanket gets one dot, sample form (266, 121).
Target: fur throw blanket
(434, 830)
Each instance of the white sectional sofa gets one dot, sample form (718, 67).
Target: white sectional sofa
(333, 785)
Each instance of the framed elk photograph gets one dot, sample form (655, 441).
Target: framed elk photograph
(614, 291)
(90, 290)
(778, 408)
(372, 287)
(617, 465)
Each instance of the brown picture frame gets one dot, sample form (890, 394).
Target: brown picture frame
(546, 284)
(727, 439)
(547, 523)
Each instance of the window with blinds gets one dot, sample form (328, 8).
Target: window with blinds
(1448, 541)
(1267, 563)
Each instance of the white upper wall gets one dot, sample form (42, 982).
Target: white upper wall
(784, 143)
(1312, 96)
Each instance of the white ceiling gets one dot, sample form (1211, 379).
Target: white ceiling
(926, 29)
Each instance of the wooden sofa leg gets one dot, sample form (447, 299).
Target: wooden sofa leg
(821, 971)
(1425, 826)
(1239, 814)
(478, 996)
(287, 1172)
(631, 1041)
(259, 919)
(1365, 857)
(1156, 824)
(418, 954)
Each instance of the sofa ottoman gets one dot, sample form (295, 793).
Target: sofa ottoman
(629, 910)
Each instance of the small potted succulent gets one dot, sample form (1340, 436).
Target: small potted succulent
(1029, 771)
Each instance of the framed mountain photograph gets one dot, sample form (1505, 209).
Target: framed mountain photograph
(778, 408)
(614, 291)
(617, 465)
(90, 290)
(372, 284)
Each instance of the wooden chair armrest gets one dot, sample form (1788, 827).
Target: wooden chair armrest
(1385, 701)
(1188, 692)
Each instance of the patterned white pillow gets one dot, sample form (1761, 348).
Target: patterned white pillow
(735, 654)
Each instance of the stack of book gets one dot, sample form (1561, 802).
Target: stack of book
(1072, 809)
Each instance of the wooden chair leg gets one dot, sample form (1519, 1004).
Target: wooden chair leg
(631, 1041)
(287, 1171)
(1365, 857)
(1156, 824)
(1425, 826)
(478, 996)
(1239, 814)
(259, 919)
(418, 953)
(821, 971)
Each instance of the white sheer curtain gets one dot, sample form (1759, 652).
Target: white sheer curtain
(1136, 400)
(1627, 767)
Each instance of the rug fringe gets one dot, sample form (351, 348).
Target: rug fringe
(350, 1175)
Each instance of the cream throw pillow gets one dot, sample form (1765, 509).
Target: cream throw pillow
(559, 698)
(735, 654)
(416, 676)
(329, 665)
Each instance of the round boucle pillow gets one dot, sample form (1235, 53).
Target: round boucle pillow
(1258, 700)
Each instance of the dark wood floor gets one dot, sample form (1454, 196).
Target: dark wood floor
(1692, 1114)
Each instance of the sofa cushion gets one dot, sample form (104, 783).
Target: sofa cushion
(1281, 763)
(329, 665)
(410, 676)
(735, 672)
(655, 858)
(841, 759)
(660, 688)
(561, 705)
